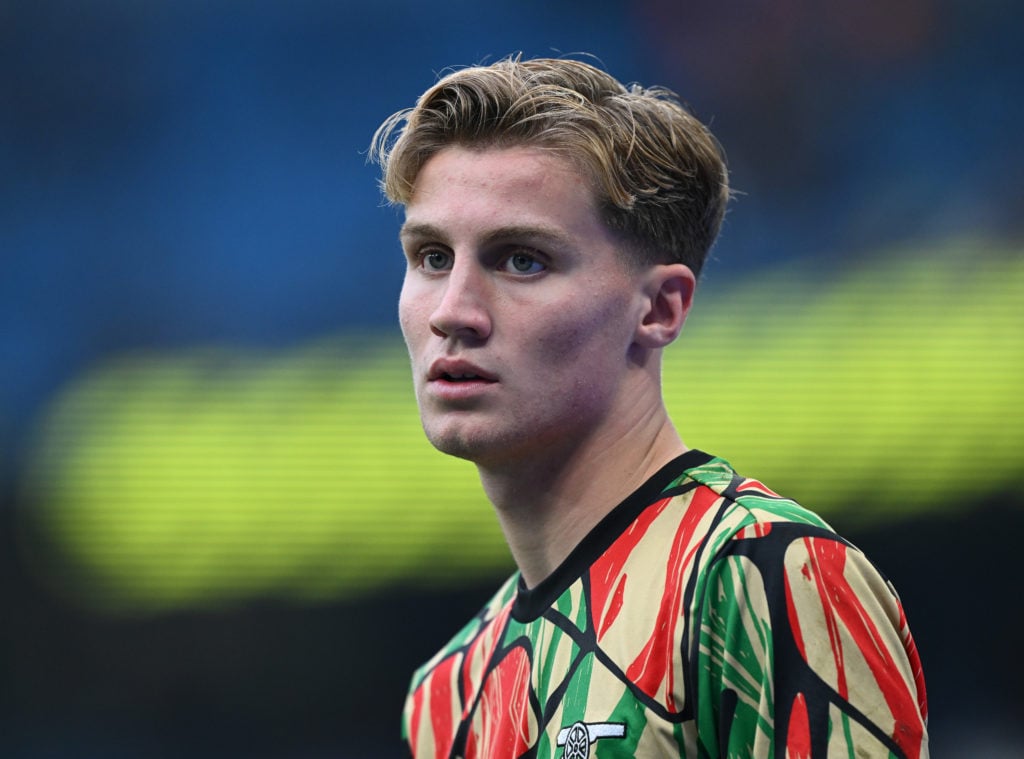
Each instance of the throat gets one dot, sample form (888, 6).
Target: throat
(543, 518)
(548, 507)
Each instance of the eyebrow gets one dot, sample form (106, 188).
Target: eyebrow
(545, 235)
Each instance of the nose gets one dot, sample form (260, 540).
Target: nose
(463, 308)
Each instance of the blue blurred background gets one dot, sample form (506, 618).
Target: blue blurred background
(220, 531)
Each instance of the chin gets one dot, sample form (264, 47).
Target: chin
(481, 449)
(458, 450)
(456, 443)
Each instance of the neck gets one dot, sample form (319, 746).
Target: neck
(546, 507)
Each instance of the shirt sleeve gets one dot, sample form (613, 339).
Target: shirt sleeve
(804, 651)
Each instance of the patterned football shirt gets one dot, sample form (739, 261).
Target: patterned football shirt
(705, 616)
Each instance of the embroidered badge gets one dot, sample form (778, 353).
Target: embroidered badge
(579, 736)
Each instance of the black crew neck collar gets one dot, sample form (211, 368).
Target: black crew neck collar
(530, 603)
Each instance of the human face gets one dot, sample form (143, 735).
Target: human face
(517, 307)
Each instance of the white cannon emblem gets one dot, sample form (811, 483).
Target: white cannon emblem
(578, 737)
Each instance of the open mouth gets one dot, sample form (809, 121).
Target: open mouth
(464, 378)
(458, 372)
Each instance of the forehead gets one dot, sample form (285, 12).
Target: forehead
(512, 186)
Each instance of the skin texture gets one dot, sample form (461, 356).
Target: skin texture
(535, 346)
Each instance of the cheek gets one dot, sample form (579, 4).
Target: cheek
(409, 316)
(601, 326)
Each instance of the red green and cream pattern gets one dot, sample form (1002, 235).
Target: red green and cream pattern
(705, 616)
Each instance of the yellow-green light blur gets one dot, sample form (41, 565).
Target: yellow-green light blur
(193, 478)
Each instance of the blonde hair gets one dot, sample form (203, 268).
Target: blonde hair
(659, 175)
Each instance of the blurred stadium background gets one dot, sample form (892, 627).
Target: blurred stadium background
(221, 533)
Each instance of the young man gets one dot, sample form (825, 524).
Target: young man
(555, 225)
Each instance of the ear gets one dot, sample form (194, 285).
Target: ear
(668, 294)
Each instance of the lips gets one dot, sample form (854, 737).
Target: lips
(456, 371)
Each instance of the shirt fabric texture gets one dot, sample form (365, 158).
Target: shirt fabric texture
(705, 616)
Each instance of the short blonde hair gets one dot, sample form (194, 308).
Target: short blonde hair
(659, 175)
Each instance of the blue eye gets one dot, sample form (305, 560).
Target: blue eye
(436, 260)
(523, 263)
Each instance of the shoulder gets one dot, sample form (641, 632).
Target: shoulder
(491, 613)
(748, 502)
(789, 603)
(457, 665)
(750, 516)
(762, 536)
(778, 537)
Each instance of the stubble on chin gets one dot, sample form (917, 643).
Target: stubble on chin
(451, 445)
(448, 437)
(483, 446)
